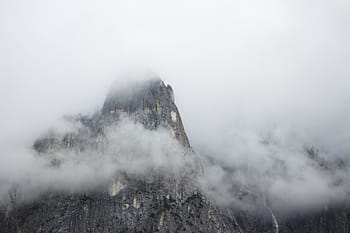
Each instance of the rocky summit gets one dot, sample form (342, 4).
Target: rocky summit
(165, 201)
(158, 200)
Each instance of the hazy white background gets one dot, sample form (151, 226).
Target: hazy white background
(240, 69)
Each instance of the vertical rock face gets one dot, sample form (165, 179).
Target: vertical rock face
(158, 201)
(151, 103)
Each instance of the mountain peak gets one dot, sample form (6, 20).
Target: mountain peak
(149, 102)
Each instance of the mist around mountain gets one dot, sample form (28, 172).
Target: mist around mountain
(262, 88)
(137, 142)
(270, 164)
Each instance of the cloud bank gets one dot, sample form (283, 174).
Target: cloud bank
(241, 70)
(126, 148)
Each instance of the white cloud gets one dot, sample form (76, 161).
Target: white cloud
(238, 68)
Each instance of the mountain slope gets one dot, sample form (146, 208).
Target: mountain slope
(158, 200)
(146, 195)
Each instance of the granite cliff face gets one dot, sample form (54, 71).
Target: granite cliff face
(161, 201)
(151, 103)
(158, 200)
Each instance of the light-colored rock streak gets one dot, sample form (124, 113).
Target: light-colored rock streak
(173, 116)
(275, 222)
(115, 188)
(274, 219)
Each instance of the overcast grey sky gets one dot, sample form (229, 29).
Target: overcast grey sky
(238, 67)
(230, 62)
